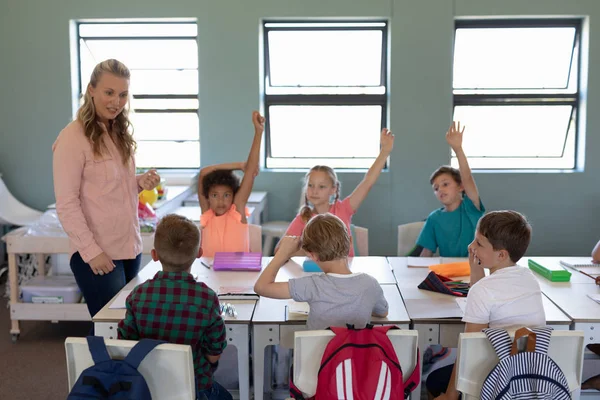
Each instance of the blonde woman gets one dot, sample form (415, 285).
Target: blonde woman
(97, 190)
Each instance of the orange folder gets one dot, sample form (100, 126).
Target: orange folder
(452, 269)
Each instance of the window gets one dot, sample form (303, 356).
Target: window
(163, 60)
(516, 89)
(325, 83)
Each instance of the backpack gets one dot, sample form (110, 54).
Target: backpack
(531, 374)
(113, 379)
(361, 364)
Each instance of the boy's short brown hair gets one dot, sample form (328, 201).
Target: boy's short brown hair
(326, 236)
(506, 230)
(446, 169)
(177, 241)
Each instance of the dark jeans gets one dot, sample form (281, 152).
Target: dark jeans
(99, 289)
(437, 381)
(216, 392)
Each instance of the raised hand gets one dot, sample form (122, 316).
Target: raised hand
(386, 141)
(258, 121)
(149, 180)
(454, 135)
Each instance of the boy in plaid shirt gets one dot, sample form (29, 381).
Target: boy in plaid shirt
(172, 306)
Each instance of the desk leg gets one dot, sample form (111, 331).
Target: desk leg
(108, 330)
(428, 334)
(237, 335)
(262, 336)
(14, 292)
(41, 264)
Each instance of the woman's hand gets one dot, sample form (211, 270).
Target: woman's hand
(101, 264)
(149, 180)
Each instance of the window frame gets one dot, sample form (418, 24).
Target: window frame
(291, 99)
(551, 96)
(78, 38)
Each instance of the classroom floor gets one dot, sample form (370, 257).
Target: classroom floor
(35, 367)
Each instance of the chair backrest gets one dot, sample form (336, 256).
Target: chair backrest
(12, 211)
(360, 237)
(407, 237)
(477, 358)
(255, 233)
(309, 347)
(168, 369)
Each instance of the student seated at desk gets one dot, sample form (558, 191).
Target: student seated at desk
(510, 297)
(223, 199)
(451, 227)
(337, 297)
(172, 306)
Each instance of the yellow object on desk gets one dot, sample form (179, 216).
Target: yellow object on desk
(452, 269)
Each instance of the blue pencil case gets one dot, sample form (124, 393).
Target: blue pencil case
(310, 266)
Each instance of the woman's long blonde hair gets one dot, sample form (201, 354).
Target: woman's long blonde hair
(120, 126)
(306, 210)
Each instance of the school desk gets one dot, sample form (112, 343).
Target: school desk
(436, 316)
(572, 298)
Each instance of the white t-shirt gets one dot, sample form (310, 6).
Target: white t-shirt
(508, 298)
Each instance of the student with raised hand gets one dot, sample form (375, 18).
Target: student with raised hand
(223, 199)
(337, 297)
(96, 187)
(510, 297)
(173, 307)
(451, 227)
(321, 185)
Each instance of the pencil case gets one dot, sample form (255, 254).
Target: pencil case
(552, 272)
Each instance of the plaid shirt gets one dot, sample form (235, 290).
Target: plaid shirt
(172, 306)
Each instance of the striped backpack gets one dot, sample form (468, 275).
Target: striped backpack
(530, 374)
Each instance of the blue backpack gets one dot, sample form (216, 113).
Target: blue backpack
(113, 379)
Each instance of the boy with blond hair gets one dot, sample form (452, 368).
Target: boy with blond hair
(510, 297)
(173, 307)
(337, 297)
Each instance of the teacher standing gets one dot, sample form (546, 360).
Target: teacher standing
(97, 190)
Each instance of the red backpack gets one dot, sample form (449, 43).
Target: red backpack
(361, 364)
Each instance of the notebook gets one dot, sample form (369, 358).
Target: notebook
(236, 293)
(582, 263)
(237, 261)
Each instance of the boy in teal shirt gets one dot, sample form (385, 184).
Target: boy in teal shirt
(451, 227)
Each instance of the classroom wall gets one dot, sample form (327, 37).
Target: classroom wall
(35, 104)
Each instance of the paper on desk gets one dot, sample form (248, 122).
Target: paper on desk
(422, 262)
(595, 297)
(433, 308)
(462, 303)
(120, 300)
(296, 307)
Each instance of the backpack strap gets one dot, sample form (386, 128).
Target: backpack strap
(414, 379)
(500, 341)
(543, 335)
(98, 349)
(141, 350)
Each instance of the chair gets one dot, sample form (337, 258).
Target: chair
(168, 369)
(407, 237)
(309, 347)
(12, 211)
(275, 230)
(360, 240)
(255, 233)
(476, 358)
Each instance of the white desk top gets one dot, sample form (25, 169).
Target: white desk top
(425, 305)
(572, 297)
(272, 311)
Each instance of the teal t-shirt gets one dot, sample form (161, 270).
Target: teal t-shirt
(451, 231)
